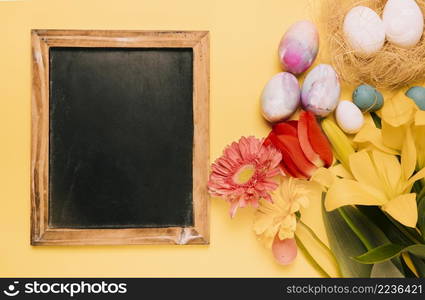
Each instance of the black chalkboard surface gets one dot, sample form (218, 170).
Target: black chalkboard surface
(120, 137)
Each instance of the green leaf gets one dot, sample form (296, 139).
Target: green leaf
(316, 251)
(368, 233)
(417, 189)
(389, 251)
(417, 250)
(380, 220)
(421, 216)
(311, 259)
(345, 244)
(411, 233)
(407, 271)
(419, 265)
(421, 194)
(377, 120)
(372, 235)
(385, 269)
(380, 254)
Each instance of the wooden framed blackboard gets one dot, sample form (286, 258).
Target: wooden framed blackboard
(120, 137)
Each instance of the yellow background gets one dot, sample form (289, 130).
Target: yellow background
(244, 39)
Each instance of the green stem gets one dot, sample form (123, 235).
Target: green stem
(322, 244)
(353, 227)
(311, 258)
(376, 119)
(316, 238)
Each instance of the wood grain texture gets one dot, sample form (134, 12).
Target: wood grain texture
(42, 40)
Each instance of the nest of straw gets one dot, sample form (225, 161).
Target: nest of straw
(390, 68)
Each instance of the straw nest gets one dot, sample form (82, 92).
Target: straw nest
(392, 67)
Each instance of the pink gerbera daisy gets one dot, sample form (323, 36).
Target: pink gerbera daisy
(244, 174)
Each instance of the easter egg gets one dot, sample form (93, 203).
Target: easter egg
(349, 117)
(284, 251)
(280, 97)
(417, 94)
(298, 47)
(364, 30)
(367, 98)
(404, 22)
(321, 90)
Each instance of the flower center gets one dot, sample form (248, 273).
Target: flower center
(244, 174)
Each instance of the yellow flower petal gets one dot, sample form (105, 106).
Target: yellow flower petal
(267, 238)
(280, 217)
(324, 177)
(370, 134)
(340, 171)
(371, 147)
(349, 192)
(403, 209)
(408, 155)
(363, 169)
(261, 223)
(420, 118)
(266, 232)
(307, 191)
(264, 216)
(398, 110)
(286, 234)
(416, 177)
(393, 137)
(389, 170)
(304, 201)
(368, 119)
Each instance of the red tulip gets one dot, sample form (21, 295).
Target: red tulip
(303, 145)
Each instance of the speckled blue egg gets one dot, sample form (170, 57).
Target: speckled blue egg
(367, 98)
(417, 94)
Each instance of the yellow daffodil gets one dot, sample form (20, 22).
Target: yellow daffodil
(379, 179)
(279, 218)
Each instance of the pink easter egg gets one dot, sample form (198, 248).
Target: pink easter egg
(284, 251)
(298, 47)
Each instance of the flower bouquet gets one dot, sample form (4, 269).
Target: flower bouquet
(363, 160)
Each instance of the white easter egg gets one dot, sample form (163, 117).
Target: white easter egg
(349, 117)
(404, 22)
(364, 30)
(280, 97)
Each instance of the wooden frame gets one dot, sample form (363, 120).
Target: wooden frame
(42, 40)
